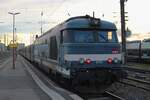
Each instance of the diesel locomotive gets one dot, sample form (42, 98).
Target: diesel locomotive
(82, 48)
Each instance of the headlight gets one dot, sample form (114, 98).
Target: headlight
(81, 60)
(116, 60)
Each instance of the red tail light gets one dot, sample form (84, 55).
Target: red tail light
(109, 60)
(115, 51)
(88, 61)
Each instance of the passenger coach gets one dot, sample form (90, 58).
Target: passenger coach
(138, 50)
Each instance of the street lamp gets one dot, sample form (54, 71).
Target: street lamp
(13, 35)
(41, 23)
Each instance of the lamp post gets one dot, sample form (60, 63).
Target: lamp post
(13, 36)
(41, 23)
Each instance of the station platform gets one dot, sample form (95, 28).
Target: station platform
(18, 84)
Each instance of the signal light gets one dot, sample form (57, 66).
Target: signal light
(109, 60)
(88, 61)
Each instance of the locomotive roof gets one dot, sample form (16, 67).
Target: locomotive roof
(84, 21)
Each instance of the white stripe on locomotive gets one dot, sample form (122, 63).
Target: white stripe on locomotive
(93, 57)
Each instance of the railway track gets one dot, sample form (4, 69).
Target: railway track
(137, 78)
(138, 75)
(113, 96)
(136, 83)
(101, 96)
(140, 70)
(129, 89)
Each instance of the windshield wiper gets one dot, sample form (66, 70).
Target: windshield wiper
(103, 37)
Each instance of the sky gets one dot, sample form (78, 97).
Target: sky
(56, 11)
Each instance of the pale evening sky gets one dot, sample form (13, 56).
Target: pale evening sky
(56, 11)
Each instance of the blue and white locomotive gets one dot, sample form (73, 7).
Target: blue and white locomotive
(82, 48)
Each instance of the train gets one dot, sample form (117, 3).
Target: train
(80, 49)
(138, 50)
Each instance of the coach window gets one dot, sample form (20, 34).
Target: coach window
(53, 48)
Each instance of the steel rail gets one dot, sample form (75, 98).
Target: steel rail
(139, 80)
(137, 70)
(114, 96)
(131, 84)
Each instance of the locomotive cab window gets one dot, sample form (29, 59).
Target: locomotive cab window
(110, 35)
(77, 36)
(107, 36)
(89, 36)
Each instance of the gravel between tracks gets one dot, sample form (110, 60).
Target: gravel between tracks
(129, 92)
